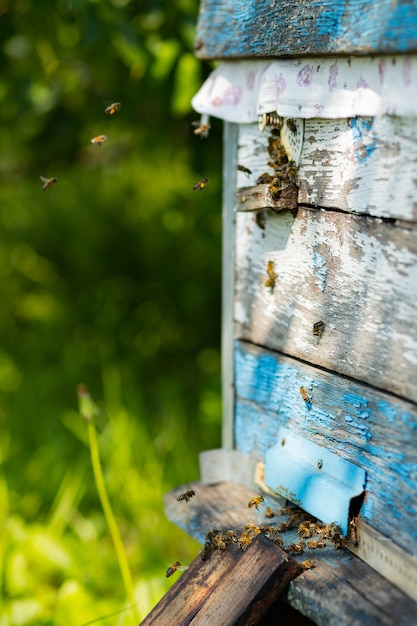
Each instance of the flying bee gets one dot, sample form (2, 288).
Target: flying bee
(201, 128)
(112, 108)
(99, 139)
(245, 170)
(201, 184)
(308, 564)
(318, 328)
(269, 512)
(304, 395)
(270, 281)
(48, 182)
(175, 567)
(256, 501)
(186, 496)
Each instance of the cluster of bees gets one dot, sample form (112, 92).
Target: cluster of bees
(98, 140)
(313, 534)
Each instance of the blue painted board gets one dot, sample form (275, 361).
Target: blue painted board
(272, 28)
(365, 426)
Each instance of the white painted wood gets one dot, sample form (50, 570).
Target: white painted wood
(360, 165)
(357, 274)
(228, 250)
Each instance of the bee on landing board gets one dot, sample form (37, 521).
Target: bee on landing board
(201, 184)
(99, 139)
(175, 567)
(48, 182)
(112, 108)
(256, 501)
(186, 496)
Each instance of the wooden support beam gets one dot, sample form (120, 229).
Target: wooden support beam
(232, 587)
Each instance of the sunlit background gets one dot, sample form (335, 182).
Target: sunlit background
(109, 278)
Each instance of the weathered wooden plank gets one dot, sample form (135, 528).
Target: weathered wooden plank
(356, 274)
(233, 587)
(340, 589)
(367, 427)
(261, 28)
(360, 165)
(259, 197)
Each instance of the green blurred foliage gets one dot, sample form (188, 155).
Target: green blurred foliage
(110, 278)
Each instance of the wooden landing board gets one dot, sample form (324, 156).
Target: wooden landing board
(340, 590)
(232, 588)
(265, 28)
(361, 165)
(356, 274)
(367, 427)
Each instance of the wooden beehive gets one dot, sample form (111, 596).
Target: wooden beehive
(320, 284)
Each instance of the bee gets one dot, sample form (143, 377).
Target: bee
(269, 512)
(318, 328)
(296, 548)
(253, 529)
(264, 179)
(201, 184)
(270, 281)
(201, 128)
(231, 535)
(211, 534)
(287, 510)
(269, 119)
(244, 169)
(292, 126)
(287, 172)
(220, 541)
(304, 395)
(186, 496)
(244, 540)
(174, 567)
(305, 531)
(48, 182)
(99, 139)
(313, 544)
(256, 502)
(112, 108)
(205, 552)
(308, 564)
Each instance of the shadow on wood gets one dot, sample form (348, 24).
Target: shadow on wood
(232, 587)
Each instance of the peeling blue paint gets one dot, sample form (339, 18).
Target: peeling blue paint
(319, 263)
(365, 140)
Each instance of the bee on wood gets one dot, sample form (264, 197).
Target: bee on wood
(270, 281)
(48, 182)
(112, 108)
(304, 395)
(244, 540)
(99, 140)
(269, 119)
(256, 502)
(201, 184)
(269, 512)
(245, 170)
(308, 564)
(186, 496)
(287, 172)
(305, 531)
(295, 548)
(292, 126)
(220, 541)
(318, 328)
(231, 535)
(264, 179)
(205, 552)
(211, 534)
(201, 128)
(313, 544)
(253, 529)
(175, 567)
